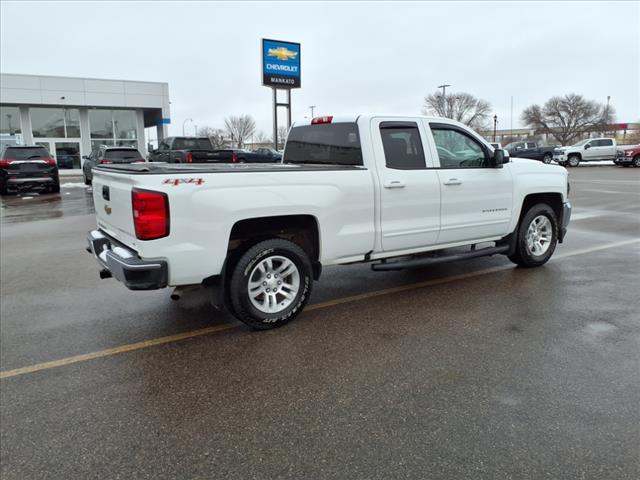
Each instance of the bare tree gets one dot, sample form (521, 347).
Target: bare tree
(283, 132)
(462, 107)
(240, 128)
(262, 138)
(569, 117)
(216, 136)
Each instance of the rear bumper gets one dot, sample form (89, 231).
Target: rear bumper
(566, 217)
(124, 264)
(623, 160)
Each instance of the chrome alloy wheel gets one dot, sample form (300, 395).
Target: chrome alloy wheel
(273, 284)
(539, 235)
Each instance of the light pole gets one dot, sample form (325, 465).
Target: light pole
(444, 93)
(184, 123)
(495, 123)
(312, 107)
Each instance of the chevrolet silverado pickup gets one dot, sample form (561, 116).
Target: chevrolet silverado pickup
(589, 150)
(531, 150)
(393, 191)
(184, 150)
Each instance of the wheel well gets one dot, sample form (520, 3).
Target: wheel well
(575, 154)
(300, 229)
(554, 200)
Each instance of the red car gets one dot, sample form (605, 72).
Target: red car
(628, 156)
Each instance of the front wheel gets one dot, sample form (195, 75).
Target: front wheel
(270, 284)
(536, 237)
(574, 161)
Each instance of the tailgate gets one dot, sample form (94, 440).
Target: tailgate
(29, 168)
(112, 200)
(204, 156)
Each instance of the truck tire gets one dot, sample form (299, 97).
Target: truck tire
(636, 161)
(536, 237)
(270, 284)
(574, 160)
(84, 177)
(547, 158)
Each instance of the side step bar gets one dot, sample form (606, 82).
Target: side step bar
(428, 261)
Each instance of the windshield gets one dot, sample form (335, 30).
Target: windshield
(123, 156)
(330, 143)
(582, 142)
(26, 153)
(191, 144)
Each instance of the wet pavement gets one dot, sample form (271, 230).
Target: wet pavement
(473, 370)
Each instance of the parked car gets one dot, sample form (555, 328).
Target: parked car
(628, 156)
(589, 150)
(239, 155)
(27, 167)
(530, 150)
(184, 150)
(107, 155)
(362, 188)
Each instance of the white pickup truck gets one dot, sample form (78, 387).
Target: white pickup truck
(589, 150)
(395, 191)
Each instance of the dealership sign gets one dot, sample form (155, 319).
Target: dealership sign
(280, 64)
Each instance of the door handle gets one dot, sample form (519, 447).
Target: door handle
(453, 181)
(395, 184)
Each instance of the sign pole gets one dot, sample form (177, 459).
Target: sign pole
(275, 118)
(288, 108)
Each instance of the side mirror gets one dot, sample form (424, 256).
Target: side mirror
(499, 158)
(85, 157)
(587, 146)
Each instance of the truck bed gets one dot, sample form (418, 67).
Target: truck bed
(154, 168)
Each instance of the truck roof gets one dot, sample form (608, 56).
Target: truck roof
(348, 118)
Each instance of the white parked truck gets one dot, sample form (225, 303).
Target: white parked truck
(394, 191)
(589, 150)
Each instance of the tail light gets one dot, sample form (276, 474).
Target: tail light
(320, 120)
(104, 161)
(150, 214)
(234, 157)
(188, 157)
(49, 161)
(5, 163)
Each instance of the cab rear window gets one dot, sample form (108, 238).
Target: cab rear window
(122, 156)
(330, 144)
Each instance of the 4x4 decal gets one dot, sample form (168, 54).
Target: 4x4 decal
(178, 181)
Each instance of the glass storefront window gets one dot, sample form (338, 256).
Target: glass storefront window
(101, 123)
(72, 122)
(124, 122)
(9, 120)
(55, 122)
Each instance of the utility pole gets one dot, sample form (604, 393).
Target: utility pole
(312, 107)
(444, 94)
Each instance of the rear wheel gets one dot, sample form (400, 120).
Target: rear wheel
(270, 284)
(547, 158)
(536, 237)
(636, 161)
(574, 161)
(55, 188)
(84, 177)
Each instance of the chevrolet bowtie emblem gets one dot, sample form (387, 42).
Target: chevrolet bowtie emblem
(107, 209)
(282, 53)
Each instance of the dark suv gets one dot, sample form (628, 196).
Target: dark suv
(105, 155)
(27, 167)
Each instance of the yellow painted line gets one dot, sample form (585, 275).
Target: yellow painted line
(316, 306)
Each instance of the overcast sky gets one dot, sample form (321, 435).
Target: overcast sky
(357, 57)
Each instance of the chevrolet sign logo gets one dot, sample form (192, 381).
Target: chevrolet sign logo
(107, 209)
(282, 53)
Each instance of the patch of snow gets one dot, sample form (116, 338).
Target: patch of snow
(73, 185)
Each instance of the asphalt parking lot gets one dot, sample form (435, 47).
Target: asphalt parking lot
(468, 370)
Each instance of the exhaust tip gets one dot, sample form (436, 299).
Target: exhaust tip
(174, 296)
(104, 273)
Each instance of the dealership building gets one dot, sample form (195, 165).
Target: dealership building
(72, 116)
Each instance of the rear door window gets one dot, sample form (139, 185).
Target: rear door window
(327, 143)
(402, 145)
(26, 153)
